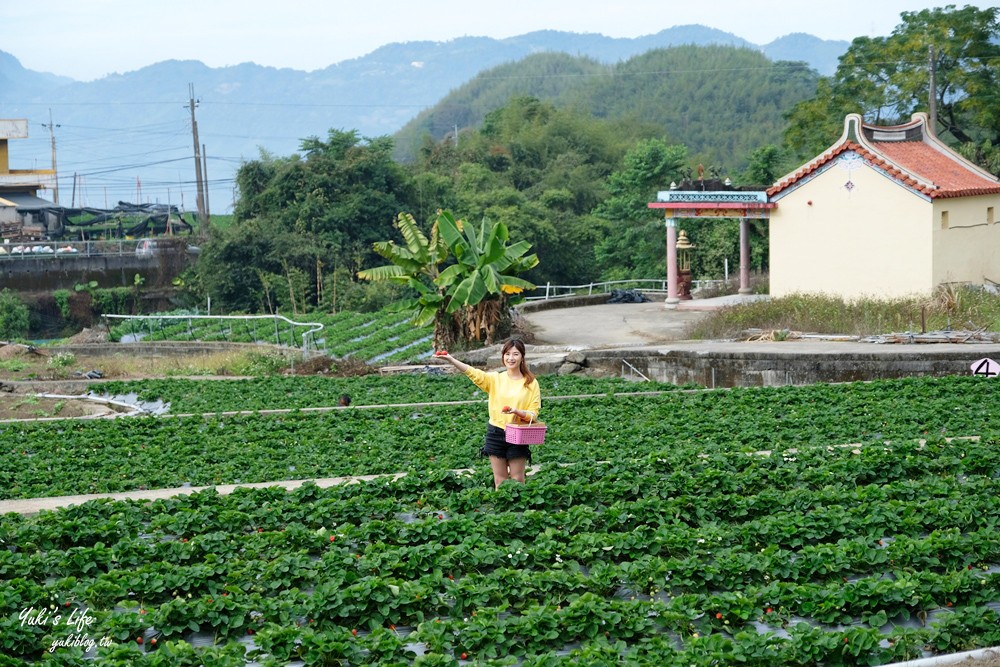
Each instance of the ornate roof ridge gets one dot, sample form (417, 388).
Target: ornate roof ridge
(872, 142)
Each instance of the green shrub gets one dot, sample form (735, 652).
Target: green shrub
(259, 363)
(61, 297)
(14, 316)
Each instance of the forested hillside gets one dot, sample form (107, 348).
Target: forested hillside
(721, 102)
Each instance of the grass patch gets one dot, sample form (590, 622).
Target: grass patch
(215, 364)
(129, 365)
(13, 365)
(954, 308)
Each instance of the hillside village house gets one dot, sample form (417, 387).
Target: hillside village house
(885, 212)
(23, 214)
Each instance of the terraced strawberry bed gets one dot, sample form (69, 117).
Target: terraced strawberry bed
(274, 391)
(385, 336)
(669, 537)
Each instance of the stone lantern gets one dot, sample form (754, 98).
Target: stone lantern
(684, 248)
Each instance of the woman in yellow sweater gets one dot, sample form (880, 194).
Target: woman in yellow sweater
(514, 397)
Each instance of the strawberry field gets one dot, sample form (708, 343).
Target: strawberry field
(847, 524)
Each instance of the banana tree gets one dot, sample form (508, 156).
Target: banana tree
(416, 265)
(483, 282)
(469, 298)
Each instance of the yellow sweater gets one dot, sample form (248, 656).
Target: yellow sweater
(504, 391)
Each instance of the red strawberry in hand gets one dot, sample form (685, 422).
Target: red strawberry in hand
(441, 353)
(505, 409)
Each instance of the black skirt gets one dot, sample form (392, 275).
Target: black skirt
(497, 445)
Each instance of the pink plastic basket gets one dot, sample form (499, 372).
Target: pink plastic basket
(525, 434)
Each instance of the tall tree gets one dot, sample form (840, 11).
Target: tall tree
(301, 218)
(888, 78)
(764, 166)
(632, 243)
(344, 190)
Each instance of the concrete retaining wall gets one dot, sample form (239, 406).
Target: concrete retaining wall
(784, 365)
(576, 301)
(563, 302)
(52, 272)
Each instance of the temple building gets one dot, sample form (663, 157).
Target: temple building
(884, 212)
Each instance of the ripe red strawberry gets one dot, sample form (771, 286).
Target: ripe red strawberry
(464, 656)
(441, 353)
(506, 408)
(354, 632)
(718, 614)
(138, 640)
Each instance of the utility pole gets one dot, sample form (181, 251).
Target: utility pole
(932, 92)
(55, 175)
(200, 200)
(204, 176)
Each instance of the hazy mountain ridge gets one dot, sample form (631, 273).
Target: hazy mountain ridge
(722, 102)
(248, 106)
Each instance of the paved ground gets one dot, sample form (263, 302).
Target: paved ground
(610, 325)
(35, 505)
(623, 324)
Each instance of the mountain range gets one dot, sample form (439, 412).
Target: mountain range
(128, 136)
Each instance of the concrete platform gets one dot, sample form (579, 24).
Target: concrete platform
(654, 341)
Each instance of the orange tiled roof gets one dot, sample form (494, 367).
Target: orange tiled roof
(951, 177)
(920, 162)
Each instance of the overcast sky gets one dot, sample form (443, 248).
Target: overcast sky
(88, 39)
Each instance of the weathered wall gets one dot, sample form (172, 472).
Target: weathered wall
(967, 250)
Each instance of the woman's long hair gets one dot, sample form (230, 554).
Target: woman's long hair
(529, 377)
